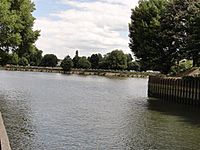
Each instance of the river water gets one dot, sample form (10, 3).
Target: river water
(47, 111)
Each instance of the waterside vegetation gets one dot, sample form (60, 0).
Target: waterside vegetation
(164, 36)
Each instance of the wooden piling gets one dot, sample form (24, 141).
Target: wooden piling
(175, 89)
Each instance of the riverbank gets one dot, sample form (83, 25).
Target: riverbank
(99, 72)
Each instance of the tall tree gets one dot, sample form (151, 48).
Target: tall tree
(174, 27)
(193, 38)
(9, 36)
(24, 9)
(144, 29)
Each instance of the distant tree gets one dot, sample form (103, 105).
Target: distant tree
(76, 59)
(49, 60)
(23, 61)
(67, 63)
(95, 59)
(116, 60)
(83, 63)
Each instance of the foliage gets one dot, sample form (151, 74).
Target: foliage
(4, 58)
(83, 63)
(133, 66)
(16, 29)
(24, 9)
(144, 29)
(23, 61)
(35, 58)
(174, 27)
(14, 59)
(116, 60)
(49, 60)
(9, 35)
(95, 60)
(164, 32)
(182, 66)
(67, 63)
(193, 38)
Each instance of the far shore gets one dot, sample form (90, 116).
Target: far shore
(99, 72)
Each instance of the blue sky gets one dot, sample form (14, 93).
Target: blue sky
(90, 26)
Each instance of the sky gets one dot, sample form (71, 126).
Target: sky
(90, 26)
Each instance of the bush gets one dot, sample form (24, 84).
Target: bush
(182, 66)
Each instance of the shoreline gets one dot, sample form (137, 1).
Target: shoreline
(98, 72)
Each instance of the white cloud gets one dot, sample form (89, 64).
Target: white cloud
(90, 27)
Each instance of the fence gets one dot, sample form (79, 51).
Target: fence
(175, 89)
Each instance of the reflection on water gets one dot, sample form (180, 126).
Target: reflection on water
(58, 112)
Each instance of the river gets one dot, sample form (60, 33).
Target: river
(49, 111)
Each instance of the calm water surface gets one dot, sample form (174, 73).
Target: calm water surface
(44, 111)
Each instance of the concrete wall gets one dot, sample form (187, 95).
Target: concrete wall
(5, 145)
(175, 89)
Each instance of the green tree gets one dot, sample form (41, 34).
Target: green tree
(76, 59)
(83, 63)
(23, 61)
(9, 36)
(116, 60)
(174, 31)
(67, 63)
(144, 29)
(95, 60)
(49, 60)
(193, 38)
(25, 21)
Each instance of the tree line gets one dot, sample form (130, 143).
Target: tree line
(17, 43)
(164, 32)
(115, 60)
